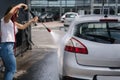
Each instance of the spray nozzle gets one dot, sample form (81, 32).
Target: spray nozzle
(42, 23)
(46, 27)
(48, 30)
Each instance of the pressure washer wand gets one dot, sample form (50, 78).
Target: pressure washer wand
(46, 27)
(41, 22)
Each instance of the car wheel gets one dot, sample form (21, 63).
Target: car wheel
(52, 19)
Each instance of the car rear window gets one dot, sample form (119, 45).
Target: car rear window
(103, 32)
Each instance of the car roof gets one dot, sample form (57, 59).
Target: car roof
(69, 12)
(91, 18)
(87, 18)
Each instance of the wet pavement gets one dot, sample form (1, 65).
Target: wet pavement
(44, 67)
(40, 63)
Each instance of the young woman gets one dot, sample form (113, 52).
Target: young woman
(9, 27)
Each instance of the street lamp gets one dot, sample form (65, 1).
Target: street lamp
(102, 6)
(116, 8)
(60, 8)
(65, 5)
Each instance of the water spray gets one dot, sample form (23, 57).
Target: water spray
(55, 36)
(41, 22)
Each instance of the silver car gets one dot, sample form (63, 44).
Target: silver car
(64, 16)
(90, 50)
(69, 18)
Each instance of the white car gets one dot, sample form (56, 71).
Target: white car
(90, 50)
(64, 15)
(69, 19)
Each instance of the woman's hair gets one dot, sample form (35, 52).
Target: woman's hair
(14, 17)
(8, 9)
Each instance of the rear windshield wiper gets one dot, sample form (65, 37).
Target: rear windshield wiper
(102, 37)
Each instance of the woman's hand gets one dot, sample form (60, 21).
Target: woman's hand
(22, 5)
(34, 20)
(24, 26)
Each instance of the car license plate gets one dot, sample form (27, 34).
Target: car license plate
(108, 77)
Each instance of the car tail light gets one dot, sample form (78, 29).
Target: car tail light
(76, 46)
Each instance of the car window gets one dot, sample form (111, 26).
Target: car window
(103, 32)
(70, 15)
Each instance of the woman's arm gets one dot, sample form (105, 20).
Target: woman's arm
(24, 26)
(13, 10)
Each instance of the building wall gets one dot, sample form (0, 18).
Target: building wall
(106, 7)
(90, 6)
(21, 35)
(4, 4)
(61, 6)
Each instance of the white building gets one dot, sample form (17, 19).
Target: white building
(89, 6)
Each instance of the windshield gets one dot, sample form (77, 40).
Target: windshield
(103, 32)
(70, 15)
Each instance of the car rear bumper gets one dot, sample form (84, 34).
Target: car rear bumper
(71, 78)
(72, 69)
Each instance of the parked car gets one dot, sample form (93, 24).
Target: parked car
(64, 15)
(42, 17)
(49, 17)
(46, 16)
(56, 15)
(90, 50)
(69, 18)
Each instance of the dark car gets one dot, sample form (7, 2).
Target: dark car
(49, 17)
(42, 17)
(56, 15)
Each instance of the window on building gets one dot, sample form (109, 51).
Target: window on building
(112, 10)
(111, 1)
(118, 1)
(96, 11)
(52, 0)
(100, 1)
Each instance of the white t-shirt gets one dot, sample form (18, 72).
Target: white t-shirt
(7, 31)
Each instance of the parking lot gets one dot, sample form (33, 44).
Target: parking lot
(53, 24)
(39, 61)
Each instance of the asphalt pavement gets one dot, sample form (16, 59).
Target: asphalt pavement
(40, 54)
(51, 25)
(43, 41)
(40, 63)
